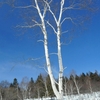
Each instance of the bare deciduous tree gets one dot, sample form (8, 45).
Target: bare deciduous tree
(70, 87)
(78, 85)
(24, 87)
(88, 82)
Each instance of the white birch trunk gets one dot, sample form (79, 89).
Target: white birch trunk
(71, 89)
(43, 27)
(60, 63)
(49, 67)
(59, 51)
(90, 87)
(18, 94)
(58, 34)
(77, 88)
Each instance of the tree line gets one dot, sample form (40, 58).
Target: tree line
(41, 87)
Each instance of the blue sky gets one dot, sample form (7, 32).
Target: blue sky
(81, 55)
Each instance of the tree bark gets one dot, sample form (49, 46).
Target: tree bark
(60, 63)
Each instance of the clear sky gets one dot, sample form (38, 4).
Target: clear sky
(81, 55)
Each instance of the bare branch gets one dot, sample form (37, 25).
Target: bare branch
(40, 25)
(35, 21)
(64, 32)
(24, 7)
(66, 43)
(40, 41)
(37, 58)
(44, 69)
(64, 68)
(53, 54)
(27, 26)
(67, 8)
(45, 9)
(50, 1)
(38, 9)
(51, 10)
(56, 82)
(67, 18)
(33, 59)
(72, 6)
(52, 27)
(61, 10)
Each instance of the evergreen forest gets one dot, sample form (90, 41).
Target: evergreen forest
(41, 87)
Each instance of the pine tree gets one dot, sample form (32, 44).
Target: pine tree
(96, 76)
(82, 77)
(40, 88)
(14, 90)
(15, 83)
(50, 90)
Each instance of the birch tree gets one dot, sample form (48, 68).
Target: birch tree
(88, 82)
(61, 16)
(78, 85)
(24, 87)
(70, 87)
(45, 84)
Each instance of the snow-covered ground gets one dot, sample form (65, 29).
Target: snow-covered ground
(92, 96)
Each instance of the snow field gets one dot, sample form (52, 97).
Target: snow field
(91, 96)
